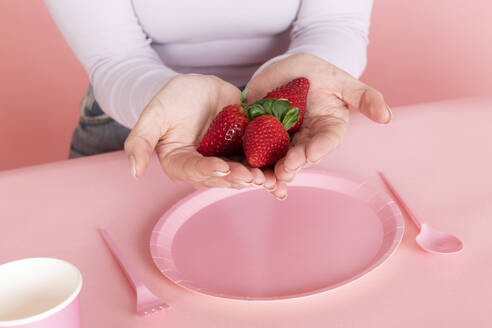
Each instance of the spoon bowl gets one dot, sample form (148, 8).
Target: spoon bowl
(438, 242)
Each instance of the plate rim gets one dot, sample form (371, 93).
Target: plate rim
(397, 239)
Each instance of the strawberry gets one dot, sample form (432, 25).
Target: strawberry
(296, 92)
(225, 133)
(266, 139)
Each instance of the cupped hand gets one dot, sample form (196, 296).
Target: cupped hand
(173, 123)
(331, 94)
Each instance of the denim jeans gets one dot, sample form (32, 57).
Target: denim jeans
(96, 132)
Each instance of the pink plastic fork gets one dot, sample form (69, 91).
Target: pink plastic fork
(147, 302)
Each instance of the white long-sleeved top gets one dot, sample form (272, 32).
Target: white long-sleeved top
(131, 48)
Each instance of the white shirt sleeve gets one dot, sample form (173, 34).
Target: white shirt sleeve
(335, 30)
(106, 37)
(126, 72)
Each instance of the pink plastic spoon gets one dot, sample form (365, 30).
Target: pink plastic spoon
(430, 239)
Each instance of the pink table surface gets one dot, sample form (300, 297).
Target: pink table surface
(438, 154)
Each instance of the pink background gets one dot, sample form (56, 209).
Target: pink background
(434, 50)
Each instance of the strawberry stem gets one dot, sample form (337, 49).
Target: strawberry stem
(243, 97)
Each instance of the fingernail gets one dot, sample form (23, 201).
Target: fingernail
(313, 162)
(221, 174)
(257, 186)
(292, 170)
(133, 169)
(390, 114)
(284, 197)
(270, 188)
(246, 180)
(245, 184)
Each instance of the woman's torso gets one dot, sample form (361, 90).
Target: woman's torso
(226, 38)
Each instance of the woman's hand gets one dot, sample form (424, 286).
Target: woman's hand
(173, 124)
(331, 94)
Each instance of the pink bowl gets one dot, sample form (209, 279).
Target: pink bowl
(245, 244)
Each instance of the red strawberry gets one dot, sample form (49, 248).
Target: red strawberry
(225, 133)
(266, 139)
(296, 92)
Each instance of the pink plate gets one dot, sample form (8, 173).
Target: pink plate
(245, 244)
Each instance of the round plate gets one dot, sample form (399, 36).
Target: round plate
(245, 244)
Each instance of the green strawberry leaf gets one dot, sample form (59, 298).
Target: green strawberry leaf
(275, 107)
(267, 105)
(291, 118)
(255, 110)
(280, 108)
(260, 102)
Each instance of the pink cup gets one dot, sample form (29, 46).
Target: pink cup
(40, 293)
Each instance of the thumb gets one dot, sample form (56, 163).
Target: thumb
(365, 99)
(264, 82)
(140, 143)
